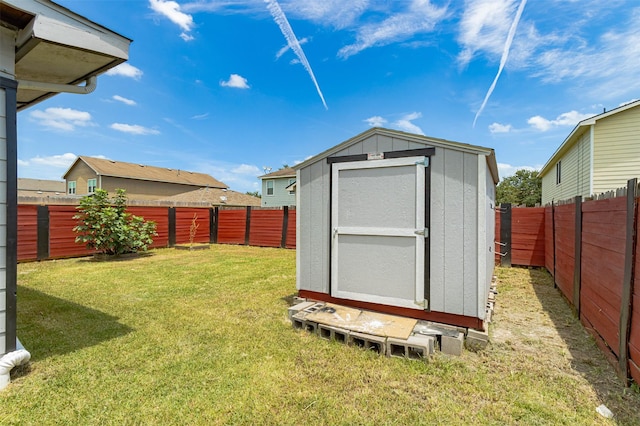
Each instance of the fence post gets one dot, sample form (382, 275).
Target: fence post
(172, 226)
(285, 225)
(213, 225)
(577, 272)
(247, 228)
(505, 234)
(627, 283)
(42, 233)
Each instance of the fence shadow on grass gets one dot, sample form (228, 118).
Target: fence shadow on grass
(586, 357)
(49, 326)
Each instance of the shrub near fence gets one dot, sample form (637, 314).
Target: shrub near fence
(46, 232)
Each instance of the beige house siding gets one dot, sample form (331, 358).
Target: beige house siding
(575, 173)
(81, 174)
(616, 150)
(143, 189)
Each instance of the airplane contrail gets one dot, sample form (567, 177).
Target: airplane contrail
(281, 19)
(503, 60)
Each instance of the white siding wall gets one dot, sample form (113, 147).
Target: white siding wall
(7, 61)
(575, 173)
(616, 150)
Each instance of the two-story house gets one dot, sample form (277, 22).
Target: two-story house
(279, 188)
(141, 182)
(599, 155)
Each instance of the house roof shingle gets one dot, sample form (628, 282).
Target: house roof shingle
(213, 196)
(286, 172)
(43, 185)
(150, 173)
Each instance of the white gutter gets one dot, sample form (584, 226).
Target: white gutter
(12, 359)
(90, 85)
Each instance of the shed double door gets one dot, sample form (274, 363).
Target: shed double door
(378, 231)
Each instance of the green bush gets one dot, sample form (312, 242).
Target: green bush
(106, 227)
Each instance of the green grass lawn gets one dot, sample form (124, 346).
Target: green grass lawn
(202, 337)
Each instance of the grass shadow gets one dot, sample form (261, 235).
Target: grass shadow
(50, 326)
(586, 357)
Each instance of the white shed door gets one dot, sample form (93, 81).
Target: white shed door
(378, 231)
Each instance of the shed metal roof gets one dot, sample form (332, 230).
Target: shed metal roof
(121, 169)
(426, 140)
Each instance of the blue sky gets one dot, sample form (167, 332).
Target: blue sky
(229, 87)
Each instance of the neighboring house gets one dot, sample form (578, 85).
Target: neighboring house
(40, 187)
(601, 154)
(279, 188)
(141, 182)
(45, 49)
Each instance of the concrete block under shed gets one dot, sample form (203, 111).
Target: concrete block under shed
(298, 307)
(329, 332)
(368, 341)
(476, 340)
(299, 322)
(452, 345)
(415, 347)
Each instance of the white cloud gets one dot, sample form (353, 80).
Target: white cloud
(500, 128)
(420, 17)
(134, 129)
(200, 116)
(236, 81)
(65, 119)
(126, 70)
(336, 13)
(48, 167)
(173, 12)
(405, 123)
(484, 27)
(506, 170)
(286, 48)
(239, 177)
(285, 28)
(570, 118)
(375, 121)
(124, 100)
(247, 169)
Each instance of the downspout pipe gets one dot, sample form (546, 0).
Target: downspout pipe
(12, 359)
(90, 85)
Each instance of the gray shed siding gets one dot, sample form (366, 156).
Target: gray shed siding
(461, 254)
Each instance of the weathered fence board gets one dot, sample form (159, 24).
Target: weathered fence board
(232, 226)
(185, 217)
(28, 232)
(290, 241)
(549, 241)
(62, 239)
(565, 248)
(160, 216)
(266, 228)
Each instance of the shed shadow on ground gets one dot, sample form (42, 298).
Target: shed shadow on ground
(50, 326)
(585, 356)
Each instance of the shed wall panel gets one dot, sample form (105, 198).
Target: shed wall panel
(470, 234)
(454, 231)
(437, 232)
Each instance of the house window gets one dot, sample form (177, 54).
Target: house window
(71, 187)
(91, 186)
(291, 182)
(559, 172)
(270, 187)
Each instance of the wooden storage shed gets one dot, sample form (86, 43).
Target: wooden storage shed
(399, 223)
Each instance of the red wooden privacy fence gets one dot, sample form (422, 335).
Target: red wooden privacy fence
(46, 232)
(592, 250)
